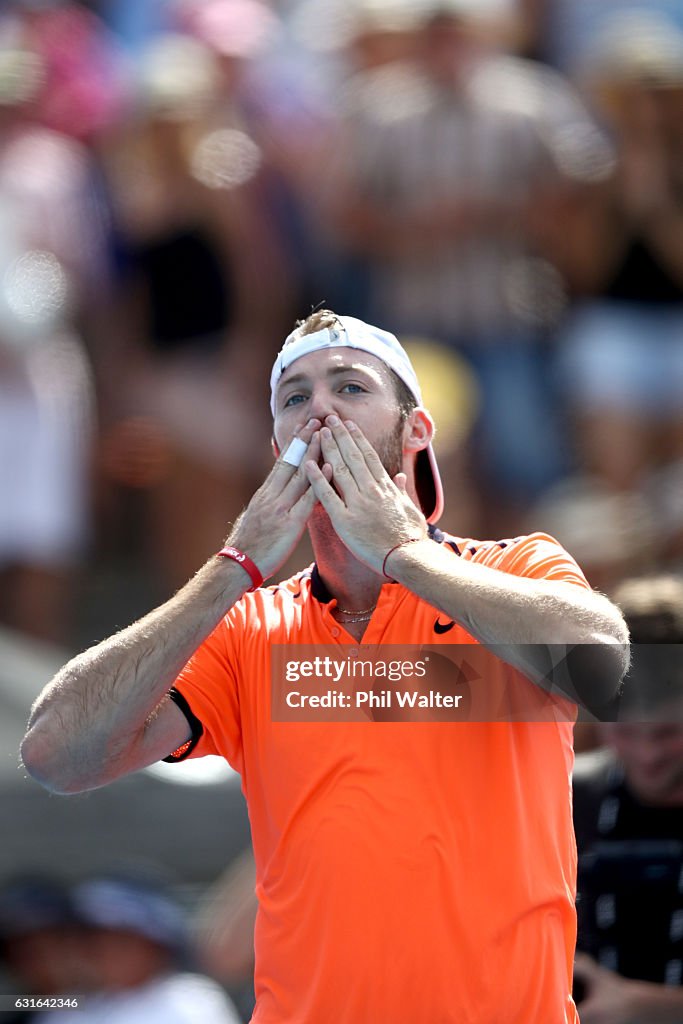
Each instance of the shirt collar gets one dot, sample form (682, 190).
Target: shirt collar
(322, 594)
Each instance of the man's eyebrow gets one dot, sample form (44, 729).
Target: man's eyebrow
(296, 378)
(334, 371)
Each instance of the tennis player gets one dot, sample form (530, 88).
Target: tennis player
(407, 871)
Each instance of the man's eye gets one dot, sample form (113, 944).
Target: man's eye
(352, 388)
(294, 400)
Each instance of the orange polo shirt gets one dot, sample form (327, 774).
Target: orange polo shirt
(408, 872)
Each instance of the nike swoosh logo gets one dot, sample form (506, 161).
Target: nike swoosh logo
(443, 627)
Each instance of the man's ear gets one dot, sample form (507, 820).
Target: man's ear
(418, 430)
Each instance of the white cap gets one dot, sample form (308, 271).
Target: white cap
(348, 332)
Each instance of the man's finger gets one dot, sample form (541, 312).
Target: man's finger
(284, 468)
(344, 478)
(298, 483)
(372, 459)
(294, 455)
(323, 491)
(352, 455)
(301, 509)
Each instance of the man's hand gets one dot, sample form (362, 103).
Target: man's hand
(272, 523)
(613, 999)
(609, 997)
(369, 511)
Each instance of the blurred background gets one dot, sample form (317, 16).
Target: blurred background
(499, 182)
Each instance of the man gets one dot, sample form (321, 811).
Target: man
(134, 953)
(408, 871)
(39, 943)
(628, 814)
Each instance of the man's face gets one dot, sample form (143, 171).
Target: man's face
(448, 50)
(652, 755)
(120, 959)
(354, 385)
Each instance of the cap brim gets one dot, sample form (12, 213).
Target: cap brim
(428, 485)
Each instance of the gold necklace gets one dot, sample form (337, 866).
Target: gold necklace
(354, 620)
(362, 611)
(364, 615)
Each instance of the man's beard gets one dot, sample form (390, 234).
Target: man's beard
(390, 449)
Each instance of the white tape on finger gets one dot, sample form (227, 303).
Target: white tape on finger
(294, 455)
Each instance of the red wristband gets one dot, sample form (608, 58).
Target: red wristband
(411, 540)
(246, 563)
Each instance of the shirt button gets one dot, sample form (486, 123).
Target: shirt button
(354, 652)
(335, 631)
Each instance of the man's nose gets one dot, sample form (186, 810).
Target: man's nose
(322, 403)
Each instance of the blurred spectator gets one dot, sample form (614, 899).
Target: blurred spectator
(39, 941)
(82, 87)
(451, 166)
(622, 363)
(270, 87)
(52, 266)
(352, 45)
(198, 246)
(258, 94)
(133, 951)
(628, 811)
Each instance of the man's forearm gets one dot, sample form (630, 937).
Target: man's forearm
(95, 721)
(87, 722)
(518, 618)
(497, 607)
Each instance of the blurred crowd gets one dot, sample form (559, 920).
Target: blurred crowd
(111, 949)
(499, 183)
